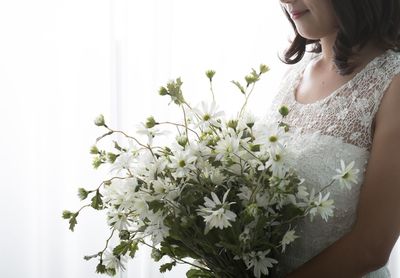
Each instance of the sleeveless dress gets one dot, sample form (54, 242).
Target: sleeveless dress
(340, 126)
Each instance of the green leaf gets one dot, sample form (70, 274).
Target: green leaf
(239, 86)
(167, 266)
(122, 248)
(133, 247)
(157, 255)
(116, 146)
(198, 273)
(73, 222)
(97, 202)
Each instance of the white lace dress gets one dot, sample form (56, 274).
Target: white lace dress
(339, 126)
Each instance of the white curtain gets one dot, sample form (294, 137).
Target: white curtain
(62, 62)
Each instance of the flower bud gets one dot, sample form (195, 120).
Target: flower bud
(150, 122)
(210, 74)
(82, 193)
(252, 210)
(163, 91)
(233, 124)
(99, 121)
(182, 140)
(67, 214)
(94, 150)
(284, 110)
(124, 235)
(264, 68)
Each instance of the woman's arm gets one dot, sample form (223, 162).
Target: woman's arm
(368, 246)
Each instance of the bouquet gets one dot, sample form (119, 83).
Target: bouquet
(221, 197)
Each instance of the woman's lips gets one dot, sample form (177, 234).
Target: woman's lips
(297, 14)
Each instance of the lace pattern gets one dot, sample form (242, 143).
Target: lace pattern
(347, 113)
(339, 126)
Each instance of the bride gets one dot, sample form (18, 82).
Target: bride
(344, 99)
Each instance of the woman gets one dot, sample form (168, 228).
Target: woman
(344, 98)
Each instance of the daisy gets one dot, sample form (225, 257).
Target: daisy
(182, 162)
(288, 238)
(323, 206)
(347, 175)
(227, 146)
(216, 214)
(260, 262)
(209, 115)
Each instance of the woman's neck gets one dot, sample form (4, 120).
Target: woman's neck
(365, 55)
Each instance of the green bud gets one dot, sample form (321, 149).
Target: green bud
(108, 182)
(112, 157)
(150, 122)
(67, 214)
(251, 79)
(264, 68)
(233, 124)
(163, 91)
(94, 150)
(182, 140)
(285, 126)
(124, 235)
(111, 271)
(156, 255)
(210, 74)
(97, 161)
(255, 148)
(101, 268)
(252, 210)
(82, 193)
(99, 121)
(284, 110)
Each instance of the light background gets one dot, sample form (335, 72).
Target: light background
(64, 62)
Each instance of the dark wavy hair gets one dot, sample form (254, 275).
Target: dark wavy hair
(359, 21)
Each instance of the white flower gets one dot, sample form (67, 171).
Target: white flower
(212, 173)
(216, 214)
(156, 228)
(165, 188)
(288, 238)
(121, 193)
(209, 115)
(272, 138)
(227, 146)
(112, 262)
(259, 261)
(347, 175)
(124, 161)
(278, 164)
(182, 161)
(245, 194)
(117, 219)
(149, 132)
(322, 206)
(302, 191)
(248, 120)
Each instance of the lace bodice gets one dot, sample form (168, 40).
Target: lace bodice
(340, 126)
